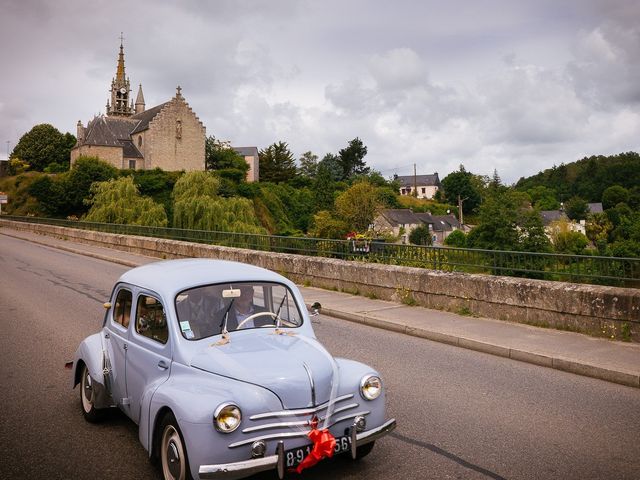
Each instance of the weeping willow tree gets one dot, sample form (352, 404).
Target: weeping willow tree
(119, 201)
(197, 206)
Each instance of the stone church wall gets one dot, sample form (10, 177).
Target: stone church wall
(175, 139)
(112, 155)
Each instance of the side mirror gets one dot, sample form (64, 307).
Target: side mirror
(315, 309)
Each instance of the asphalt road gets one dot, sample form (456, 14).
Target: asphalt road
(461, 414)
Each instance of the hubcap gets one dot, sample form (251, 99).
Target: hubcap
(87, 391)
(172, 448)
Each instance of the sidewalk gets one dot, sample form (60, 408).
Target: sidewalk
(612, 361)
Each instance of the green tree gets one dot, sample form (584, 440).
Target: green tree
(119, 201)
(277, 163)
(543, 198)
(598, 227)
(464, 185)
(324, 187)
(614, 195)
(198, 206)
(420, 236)
(457, 238)
(498, 219)
(331, 163)
(358, 206)
(351, 159)
(45, 147)
(77, 182)
(308, 164)
(224, 160)
(576, 208)
(326, 225)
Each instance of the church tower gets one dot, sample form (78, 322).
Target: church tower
(120, 104)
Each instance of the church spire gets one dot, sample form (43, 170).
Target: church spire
(121, 104)
(120, 71)
(140, 100)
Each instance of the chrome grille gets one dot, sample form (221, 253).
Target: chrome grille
(299, 428)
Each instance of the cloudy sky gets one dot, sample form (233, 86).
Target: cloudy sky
(516, 86)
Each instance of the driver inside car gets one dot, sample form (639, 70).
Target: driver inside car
(243, 307)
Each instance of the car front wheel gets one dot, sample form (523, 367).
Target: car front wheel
(87, 396)
(173, 454)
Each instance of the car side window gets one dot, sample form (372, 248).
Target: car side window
(151, 320)
(122, 310)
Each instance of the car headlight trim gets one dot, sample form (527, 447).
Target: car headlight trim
(227, 417)
(370, 387)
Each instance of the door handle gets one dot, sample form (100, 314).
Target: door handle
(163, 365)
(106, 335)
(125, 346)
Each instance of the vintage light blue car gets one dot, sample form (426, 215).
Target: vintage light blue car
(218, 364)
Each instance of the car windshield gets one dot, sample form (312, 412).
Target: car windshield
(204, 311)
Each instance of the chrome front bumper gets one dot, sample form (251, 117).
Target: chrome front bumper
(230, 471)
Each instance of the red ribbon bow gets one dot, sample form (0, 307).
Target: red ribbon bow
(323, 445)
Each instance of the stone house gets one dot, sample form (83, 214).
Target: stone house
(549, 217)
(401, 222)
(440, 226)
(425, 186)
(250, 155)
(168, 136)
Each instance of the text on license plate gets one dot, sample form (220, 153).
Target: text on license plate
(294, 456)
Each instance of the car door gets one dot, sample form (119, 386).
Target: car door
(116, 339)
(149, 353)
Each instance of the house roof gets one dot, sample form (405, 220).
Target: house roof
(112, 132)
(440, 223)
(144, 118)
(420, 180)
(400, 216)
(549, 216)
(247, 151)
(595, 207)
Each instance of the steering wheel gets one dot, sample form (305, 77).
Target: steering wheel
(255, 315)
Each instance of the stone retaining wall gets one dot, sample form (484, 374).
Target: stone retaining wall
(598, 310)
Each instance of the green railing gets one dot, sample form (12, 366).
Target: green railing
(574, 268)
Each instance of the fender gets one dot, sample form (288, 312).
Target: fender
(91, 352)
(193, 400)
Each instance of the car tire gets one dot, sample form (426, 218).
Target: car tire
(87, 397)
(364, 450)
(174, 463)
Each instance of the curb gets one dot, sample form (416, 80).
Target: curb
(557, 363)
(365, 318)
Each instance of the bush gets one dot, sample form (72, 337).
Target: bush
(420, 236)
(457, 238)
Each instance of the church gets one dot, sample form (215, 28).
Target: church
(168, 136)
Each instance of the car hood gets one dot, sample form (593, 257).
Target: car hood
(293, 367)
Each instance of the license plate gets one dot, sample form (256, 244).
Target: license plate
(294, 456)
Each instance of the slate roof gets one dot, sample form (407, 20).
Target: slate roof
(595, 207)
(112, 132)
(549, 216)
(144, 118)
(247, 151)
(400, 216)
(420, 180)
(440, 223)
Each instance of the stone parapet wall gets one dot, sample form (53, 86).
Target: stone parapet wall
(597, 310)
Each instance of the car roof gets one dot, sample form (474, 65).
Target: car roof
(172, 276)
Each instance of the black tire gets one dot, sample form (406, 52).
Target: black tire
(87, 396)
(364, 450)
(172, 453)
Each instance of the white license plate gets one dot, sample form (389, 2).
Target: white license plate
(294, 456)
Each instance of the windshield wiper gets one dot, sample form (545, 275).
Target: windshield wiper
(280, 308)
(225, 318)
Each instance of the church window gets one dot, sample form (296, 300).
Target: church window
(140, 141)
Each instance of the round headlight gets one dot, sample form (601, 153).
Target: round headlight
(227, 417)
(370, 387)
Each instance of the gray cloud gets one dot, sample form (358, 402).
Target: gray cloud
(517, 86)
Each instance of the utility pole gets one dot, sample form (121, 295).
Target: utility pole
(460, 200)
(415, 181)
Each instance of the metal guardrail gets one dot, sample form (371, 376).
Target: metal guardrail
(548, 266)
